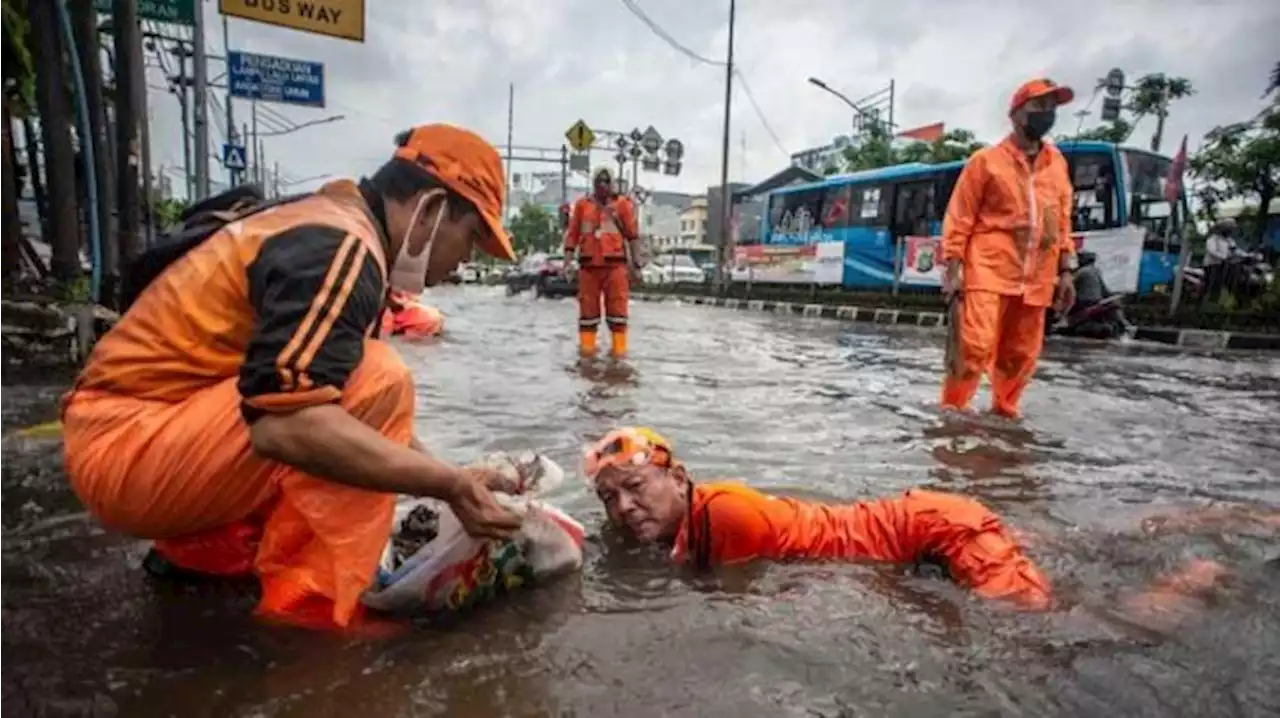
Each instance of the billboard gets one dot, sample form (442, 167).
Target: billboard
(820, 263)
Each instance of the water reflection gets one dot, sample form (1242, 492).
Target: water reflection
(816, 409)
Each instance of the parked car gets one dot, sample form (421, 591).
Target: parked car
(548, 275)
(673, 269)
(470, 273)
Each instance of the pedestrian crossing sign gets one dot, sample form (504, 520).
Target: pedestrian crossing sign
(233, 157)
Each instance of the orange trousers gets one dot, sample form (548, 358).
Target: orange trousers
(612, 283)
(186, 474)
(1001, 336)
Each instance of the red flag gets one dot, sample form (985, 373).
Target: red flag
(1173, 182)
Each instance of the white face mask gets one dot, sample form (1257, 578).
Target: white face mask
(409, 272)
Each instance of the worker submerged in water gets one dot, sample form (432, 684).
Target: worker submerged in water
(647, 492)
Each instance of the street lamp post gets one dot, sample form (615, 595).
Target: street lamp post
(861, 107)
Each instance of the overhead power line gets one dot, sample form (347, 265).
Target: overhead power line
(667, 37)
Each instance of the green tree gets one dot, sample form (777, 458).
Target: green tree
(1242, 160)
(534, 229)
(1149, 95)
(1117, 131)
(876, 149)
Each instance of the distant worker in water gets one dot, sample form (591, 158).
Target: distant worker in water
(602, 236)
(406, 316)
(1008, 253)
(647, 492)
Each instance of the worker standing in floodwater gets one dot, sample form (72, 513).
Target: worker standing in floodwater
(602, 236)
(1008, 253)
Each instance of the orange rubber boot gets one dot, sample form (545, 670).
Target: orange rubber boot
(587, 343)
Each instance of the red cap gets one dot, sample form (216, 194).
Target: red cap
(1040, 87)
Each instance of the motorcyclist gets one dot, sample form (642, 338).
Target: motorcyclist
(1219, 247)
(1091, 289)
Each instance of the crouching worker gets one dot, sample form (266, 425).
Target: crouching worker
(241, 415)
(649, 493)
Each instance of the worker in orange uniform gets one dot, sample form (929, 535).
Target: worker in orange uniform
(242, 415)
(648, 492)
(1008, 253)
(602, 234)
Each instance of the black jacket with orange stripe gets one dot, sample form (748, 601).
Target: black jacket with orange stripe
(281, 300)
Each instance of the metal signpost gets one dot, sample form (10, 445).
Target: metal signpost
(267, 78)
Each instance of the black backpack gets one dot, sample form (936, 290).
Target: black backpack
(197, 223)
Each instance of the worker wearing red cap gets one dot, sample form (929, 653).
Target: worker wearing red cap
(1008, 253)
(242, 416)
(602, 235)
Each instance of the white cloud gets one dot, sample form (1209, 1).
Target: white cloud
(951, 61)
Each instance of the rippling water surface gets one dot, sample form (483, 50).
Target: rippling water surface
(808, 407)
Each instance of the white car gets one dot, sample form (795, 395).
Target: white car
(673, 269)
(470, 273)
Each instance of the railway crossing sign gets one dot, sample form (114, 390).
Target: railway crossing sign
(580, 136)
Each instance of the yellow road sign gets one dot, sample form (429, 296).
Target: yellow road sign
(335, 18)
(580, 136)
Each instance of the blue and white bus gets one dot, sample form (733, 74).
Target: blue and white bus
(1115, 188)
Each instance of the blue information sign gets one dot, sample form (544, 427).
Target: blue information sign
(267, 78)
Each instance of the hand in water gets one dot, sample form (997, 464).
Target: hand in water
(478, 512)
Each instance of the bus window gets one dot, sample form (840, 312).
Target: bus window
(945, 185)
(837, 207)
(1147, 175)
(1093, 181)
(913, 208)
(873, 206)
(796, 213)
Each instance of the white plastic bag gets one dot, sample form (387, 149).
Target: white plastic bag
(453, 571)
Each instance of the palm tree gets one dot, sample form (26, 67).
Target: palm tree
(1152, 94)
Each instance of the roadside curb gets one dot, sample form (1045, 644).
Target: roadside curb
(1185, 338)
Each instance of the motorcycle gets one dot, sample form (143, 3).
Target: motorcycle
(1246, 276)
(1101, 320)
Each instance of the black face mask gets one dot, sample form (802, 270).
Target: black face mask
(1039, 123)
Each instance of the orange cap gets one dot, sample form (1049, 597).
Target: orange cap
(469, 166)
(1040, 87)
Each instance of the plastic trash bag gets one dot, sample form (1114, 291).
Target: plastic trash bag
(432, 565)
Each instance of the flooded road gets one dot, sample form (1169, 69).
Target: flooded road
(808, 407)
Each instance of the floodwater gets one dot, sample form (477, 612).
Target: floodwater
(810, 407)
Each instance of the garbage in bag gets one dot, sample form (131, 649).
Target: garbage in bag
(431, 563)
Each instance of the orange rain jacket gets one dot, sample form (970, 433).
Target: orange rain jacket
(601, 235)
(1008, 222)
(730, 522)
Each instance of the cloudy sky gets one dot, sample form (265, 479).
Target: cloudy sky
(958, 62)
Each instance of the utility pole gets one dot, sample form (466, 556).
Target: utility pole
(200, 105)
(187, 169)
(564, 175)
(129, 96)
(259, 174)
(232, 179)
(726, 209)
(511, 122)
(84, 16)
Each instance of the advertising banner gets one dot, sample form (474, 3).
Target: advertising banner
(821, 263)
(1119, 254)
